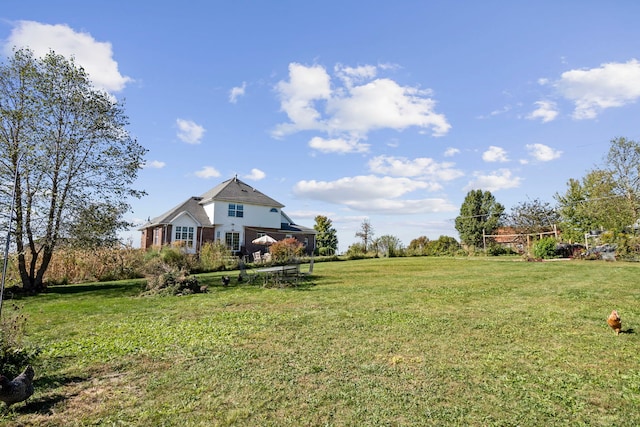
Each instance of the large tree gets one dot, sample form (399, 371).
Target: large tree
(327, 238)
(532, 216)
(608, 197)
(480, 213)
(593, 203)
(66, 143)
(623, 163)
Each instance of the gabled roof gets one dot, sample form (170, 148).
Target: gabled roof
(192, 206)
(234, 190)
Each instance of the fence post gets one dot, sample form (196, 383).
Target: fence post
(484, 242)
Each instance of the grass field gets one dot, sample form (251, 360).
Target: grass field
(379, 342)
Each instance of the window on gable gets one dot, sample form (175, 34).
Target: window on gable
(236, 210)
(185, 235)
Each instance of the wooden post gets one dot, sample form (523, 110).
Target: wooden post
(484, 241)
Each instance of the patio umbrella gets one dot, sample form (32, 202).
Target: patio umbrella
(264, 240)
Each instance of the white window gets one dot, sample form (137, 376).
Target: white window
(236, 210)
(232, 241)
(185, 235)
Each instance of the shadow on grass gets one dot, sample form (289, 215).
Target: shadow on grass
(44, 404)
(628, 331)
(97, 288)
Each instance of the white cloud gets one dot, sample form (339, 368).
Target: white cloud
(501, 111)
(372, 194)
(592, 90)
(306, 85)
(154, 164)
(404, 207)
(351, 75)
(450, 152)
(543, 153)
(495, 154)
(498, 180)
(256, 175)
(207, 172)
(338, 145)
(421, 167)
(547, 111)
(358, 107)
(94, 56)
(383, 103)
(237, 92)
(189, 131)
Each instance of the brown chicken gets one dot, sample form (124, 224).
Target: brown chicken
(615, 322)
(18, 389)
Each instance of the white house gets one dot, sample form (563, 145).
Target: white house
(232, 212)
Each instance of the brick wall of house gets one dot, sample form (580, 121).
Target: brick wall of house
(147, 238)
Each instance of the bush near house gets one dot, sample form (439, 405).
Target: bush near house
(286, 250)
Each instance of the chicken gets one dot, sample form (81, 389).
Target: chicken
(615, 322)
(18, 389)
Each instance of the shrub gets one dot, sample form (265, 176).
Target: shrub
(356, 251)
(444, 246)
(545, 248)
(173, 256)
(213, 256)
(286, 250)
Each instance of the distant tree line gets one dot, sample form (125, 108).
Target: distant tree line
(605, 202)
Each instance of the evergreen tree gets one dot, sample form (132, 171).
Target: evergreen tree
(327, 238)
(480, 212)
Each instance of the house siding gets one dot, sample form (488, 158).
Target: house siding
(257, 216)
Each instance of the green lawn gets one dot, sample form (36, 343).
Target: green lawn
(380, 342)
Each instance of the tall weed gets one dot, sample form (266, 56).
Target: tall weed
(14, 353)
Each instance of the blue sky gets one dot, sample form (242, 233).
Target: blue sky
(386, 111)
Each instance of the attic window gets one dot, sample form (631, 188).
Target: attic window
(274, 210)
(236, 210)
